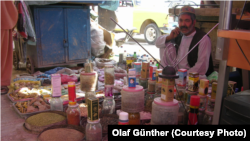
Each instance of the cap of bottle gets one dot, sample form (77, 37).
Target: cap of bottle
(134, 52)
(123, 116)
(194, 100)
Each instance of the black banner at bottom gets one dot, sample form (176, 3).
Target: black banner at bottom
(176, 132)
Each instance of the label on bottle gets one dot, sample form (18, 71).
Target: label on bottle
(193, 115)
(56, 85)
(123, 122)
(72, 92)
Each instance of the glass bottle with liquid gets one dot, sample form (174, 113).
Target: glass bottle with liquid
(108, 105)
(134, 119)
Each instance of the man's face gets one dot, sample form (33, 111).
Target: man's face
(186, 25)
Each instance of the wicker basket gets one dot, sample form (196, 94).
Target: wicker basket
(38, 129)
(78, 128)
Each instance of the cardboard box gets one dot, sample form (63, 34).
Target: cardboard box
(167, 93)
(93, 108)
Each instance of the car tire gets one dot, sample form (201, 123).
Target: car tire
(151, 33)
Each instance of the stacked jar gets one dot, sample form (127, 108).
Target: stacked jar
(165, 109)
(148, 101)
(158, 83)
(133, 102)
(56, 102)
(151, 85)
(88, 81)
(143, 82)
(93, 128)
(73, 111)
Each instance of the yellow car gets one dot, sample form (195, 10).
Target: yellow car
(148, 17)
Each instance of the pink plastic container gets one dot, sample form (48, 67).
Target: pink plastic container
(132, 99)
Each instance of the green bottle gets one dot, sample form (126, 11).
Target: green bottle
(135, 57)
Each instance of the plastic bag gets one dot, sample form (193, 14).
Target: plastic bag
(110, 5)
(65, 71)
(52, 71)
(120, 73)
(21, 23)
(66, 78)
(213, 77)
(97, 40)
(101, 62)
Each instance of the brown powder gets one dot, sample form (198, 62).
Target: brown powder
(61, 134)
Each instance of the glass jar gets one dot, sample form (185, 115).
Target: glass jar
(108, 105)
(203, 101)
(182, 115)
(208, 118)
(143, 82)
(151, 85)
(210, 105)
(88, 95)
(88, 81)
(73, 114)
(56, 104)
(148, 101)
(201, 115)
(158, 89)
(188, 94)
(109, 75)
(181, 94)
(93, 130)
(134, 118)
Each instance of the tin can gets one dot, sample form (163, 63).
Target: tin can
(214, 89)
(193, 81)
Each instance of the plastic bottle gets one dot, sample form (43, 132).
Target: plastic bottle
(135, 57)
(123, 118)
(194, 110)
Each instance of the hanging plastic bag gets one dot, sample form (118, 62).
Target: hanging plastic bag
(110, 5)
(21, 23)
(97, 40)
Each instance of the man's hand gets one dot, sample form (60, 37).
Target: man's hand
(174, 33)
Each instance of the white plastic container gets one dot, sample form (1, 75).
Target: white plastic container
(164, 113)
(132, 99)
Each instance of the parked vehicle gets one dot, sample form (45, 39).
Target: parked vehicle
(148, 17)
